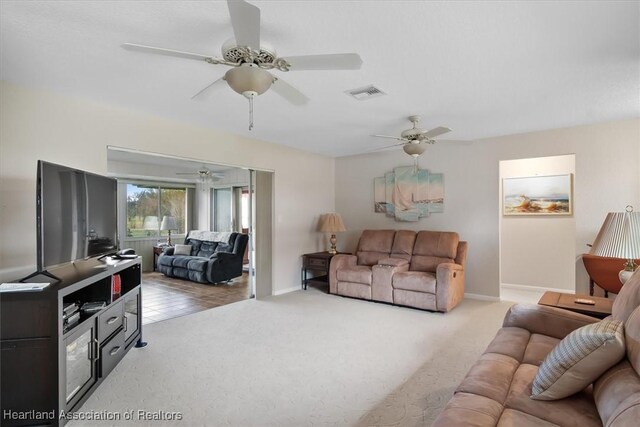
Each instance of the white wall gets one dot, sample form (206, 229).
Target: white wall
(529, 242)
(146, 171)
(607, 165)
(76, 132)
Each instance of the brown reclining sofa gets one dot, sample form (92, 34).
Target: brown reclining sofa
(422, 269)
(496, 389)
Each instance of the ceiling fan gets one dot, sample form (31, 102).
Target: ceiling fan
(414, 140)
(251, 58)
(204, 175)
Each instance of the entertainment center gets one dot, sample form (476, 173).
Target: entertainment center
(60, 339)
(47, 371)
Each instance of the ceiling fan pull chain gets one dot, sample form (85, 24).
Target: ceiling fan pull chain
(251, 113)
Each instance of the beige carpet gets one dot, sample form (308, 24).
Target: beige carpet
(304, 358)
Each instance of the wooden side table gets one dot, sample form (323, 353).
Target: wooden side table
(157, 251)
(601, 308)
(316, 262)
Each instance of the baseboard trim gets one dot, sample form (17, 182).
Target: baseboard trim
(529, 288)
(481, 297)
(286, 291)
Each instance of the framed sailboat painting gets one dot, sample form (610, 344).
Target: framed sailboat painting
(538, 195)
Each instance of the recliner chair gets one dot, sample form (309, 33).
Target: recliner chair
(352, 275)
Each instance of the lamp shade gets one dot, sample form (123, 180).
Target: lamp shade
(169, 223)
(150, 223)
(248, 78)
(331, 223)
(414, 149)
(619, 236)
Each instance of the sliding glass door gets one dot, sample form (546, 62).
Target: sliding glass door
(223, 209)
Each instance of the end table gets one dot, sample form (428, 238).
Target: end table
(317, 262)
(601, 308)
(157, 251)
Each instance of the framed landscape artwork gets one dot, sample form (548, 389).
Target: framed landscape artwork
(408, 194)
(538, 195)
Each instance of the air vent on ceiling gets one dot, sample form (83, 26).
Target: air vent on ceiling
(366, 92)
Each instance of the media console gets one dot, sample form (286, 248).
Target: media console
(48, 370)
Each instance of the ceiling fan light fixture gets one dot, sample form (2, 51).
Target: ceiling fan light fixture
(414, 150)
(250, 57)
(249, 78)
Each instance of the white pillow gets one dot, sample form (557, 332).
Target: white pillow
(579, 359)
(182, 250)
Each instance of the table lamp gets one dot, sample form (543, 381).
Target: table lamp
(331, 223)
(169, 223)
(619, 237)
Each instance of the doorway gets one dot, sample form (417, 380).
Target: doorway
(537, 250)
(232, 188)
(231, 211)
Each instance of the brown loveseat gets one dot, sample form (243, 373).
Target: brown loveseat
(422, 269)
(496, 390)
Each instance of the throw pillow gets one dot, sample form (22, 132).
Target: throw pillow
(579, 359)
(182, 250)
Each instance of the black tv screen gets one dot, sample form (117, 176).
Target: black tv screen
(76, 215)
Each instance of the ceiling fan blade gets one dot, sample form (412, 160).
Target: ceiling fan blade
(436, 131)
(163, 51)
(392, 137)
(202, 94)
(187, 173)
(289, 92)
(245, 19)
(335, 61)
(387, 147)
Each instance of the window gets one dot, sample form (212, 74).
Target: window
(222, 204)
(147, 204)
(244, 208)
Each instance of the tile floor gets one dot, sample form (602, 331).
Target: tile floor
(166, 297)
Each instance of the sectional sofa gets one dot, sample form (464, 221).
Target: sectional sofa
(422, 269)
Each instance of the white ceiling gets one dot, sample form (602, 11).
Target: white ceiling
(481, 68)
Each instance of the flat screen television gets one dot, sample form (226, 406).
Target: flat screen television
(76, 215)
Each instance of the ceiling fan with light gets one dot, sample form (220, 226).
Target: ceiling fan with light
(204, 175)
(250, 58)
(414, 140)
